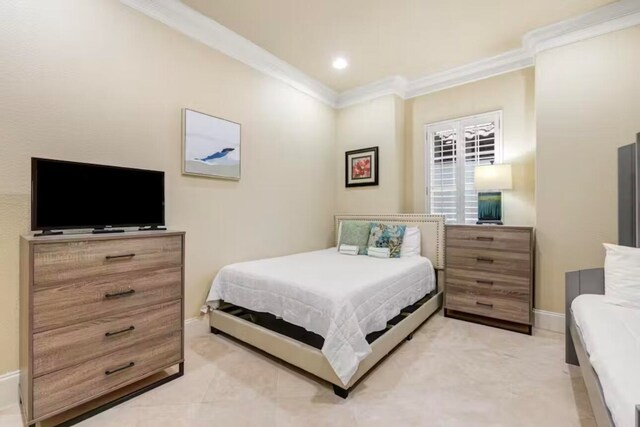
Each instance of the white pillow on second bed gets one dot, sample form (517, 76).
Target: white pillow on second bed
(622, 275)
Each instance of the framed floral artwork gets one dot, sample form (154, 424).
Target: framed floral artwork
(361, 167)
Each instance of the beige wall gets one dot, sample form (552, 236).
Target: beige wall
(374, 123)
(95, 81)
(513, 93)
(587, 105)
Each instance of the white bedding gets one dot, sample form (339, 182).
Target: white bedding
(339, 297)
(611, 335)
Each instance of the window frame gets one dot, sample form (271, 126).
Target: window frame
(459, 123)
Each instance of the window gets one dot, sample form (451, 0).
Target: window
(454, 148)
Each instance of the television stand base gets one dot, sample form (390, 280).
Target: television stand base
(49, 233)
(152, 228)
(107, 230)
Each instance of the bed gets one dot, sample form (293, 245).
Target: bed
(335, 316)
(604, 340)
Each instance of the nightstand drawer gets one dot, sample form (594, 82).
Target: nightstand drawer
(502, 262)
(496, 238)
(487, 303)
(499, 284)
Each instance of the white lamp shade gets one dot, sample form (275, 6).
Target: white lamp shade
(493, 177)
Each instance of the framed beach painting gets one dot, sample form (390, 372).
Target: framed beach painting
(361, 167)
(211, 146)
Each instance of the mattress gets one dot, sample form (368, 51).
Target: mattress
(339, 297)
(611, 336)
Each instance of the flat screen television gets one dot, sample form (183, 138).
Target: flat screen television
(68, 195)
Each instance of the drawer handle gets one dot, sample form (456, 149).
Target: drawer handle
(485, 282)
(121, 368)
(484, 239)
(484, 304)
(481, 259)
(110, 257)
(122, 331)
(120, 294)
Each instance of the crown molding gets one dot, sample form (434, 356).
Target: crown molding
(395, 85)
(613, 17)
(609, 18)
(506, 62)
(197, 26)
(606, 19)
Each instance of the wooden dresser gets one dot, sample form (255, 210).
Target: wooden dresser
(489, 275)
(97, 312)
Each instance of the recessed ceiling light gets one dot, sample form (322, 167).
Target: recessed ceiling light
(340, 63)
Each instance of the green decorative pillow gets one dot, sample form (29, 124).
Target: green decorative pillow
(355, 233)
(387, 236)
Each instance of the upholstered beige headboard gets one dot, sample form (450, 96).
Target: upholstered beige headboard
(431, 227)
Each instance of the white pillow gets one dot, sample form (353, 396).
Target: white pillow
(622, 275)
(411, 242)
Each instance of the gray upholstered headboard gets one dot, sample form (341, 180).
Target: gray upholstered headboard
(431, 228)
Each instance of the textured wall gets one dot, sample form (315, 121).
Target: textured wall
(587, 105)
(513, 93)
(374, 123)
(95, 81)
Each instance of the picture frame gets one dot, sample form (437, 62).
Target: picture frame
(490, 207)
(211, 146)
(361, 167)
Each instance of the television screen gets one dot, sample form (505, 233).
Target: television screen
(68, 195)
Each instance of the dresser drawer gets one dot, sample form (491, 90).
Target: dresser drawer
(99, 296)
(68, 346)
(508, 239)
(503, 262)
(70, 386)
(501, 284)
(487, 302)
(62, 262)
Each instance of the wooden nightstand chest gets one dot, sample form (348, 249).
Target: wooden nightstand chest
(489, 275)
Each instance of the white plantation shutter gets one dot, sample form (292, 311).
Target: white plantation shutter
(455, 147)
(444, 179)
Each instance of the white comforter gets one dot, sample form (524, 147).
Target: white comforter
(339, 297)
(611, 335)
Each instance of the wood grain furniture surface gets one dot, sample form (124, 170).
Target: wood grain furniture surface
(97, 313)
(311, 359)
(489, 275)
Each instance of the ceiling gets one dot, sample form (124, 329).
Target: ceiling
(383, 38)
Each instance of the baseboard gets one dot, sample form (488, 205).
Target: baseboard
(549, 320)
(9, 389)
(191, 320)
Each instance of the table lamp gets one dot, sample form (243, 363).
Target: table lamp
(490, 180)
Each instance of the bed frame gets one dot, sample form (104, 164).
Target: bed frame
(578, 283)
(311, 359)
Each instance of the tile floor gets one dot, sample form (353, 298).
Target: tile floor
(452, 373)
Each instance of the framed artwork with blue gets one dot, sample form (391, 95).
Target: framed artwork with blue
(490, 207)
(210, 146)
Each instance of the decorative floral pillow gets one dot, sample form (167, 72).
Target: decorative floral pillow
(387, 236)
